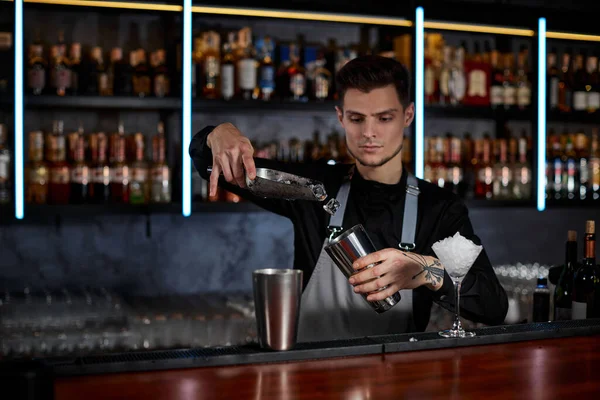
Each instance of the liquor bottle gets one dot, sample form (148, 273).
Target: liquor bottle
(160, 174)
(80, 174)
(503, 180)
(453, 168)
(458, 83)
(469, 162)
(100, 169)
(582, 167)
(93, 66)
(586, 280)
(497, 80)
(266, 68)
(122, 74)
(36, 173)
(441, 151)
(36, 70)
(553, 80)
(522, 80)
(593, 84)
(6, 53)
(431, 83)
(60, 73)
(478, 75)
(484, 172)
(541, 301)
(445, 70)
(139, 190)
(228, 82)
(5, 162)
(508, 81)
(119, 170)
(320, 88)
(59, 186)
(557, 167)
(580, 81)
(570, 167)
(296, 76)
(429, 157)
(116, 58)
(246, 65)
(211, 65)
(197, 68)
(595, 166)
(76, 69)
(522, 172)
(142, 84)
(563, 292)
(564, 85)
(162, 80)
(104, 86)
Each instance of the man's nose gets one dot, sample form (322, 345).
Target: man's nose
(369, 128)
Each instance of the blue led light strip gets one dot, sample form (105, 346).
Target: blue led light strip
(541, 125)
(186, 179)
(419, 93)
(18, 127)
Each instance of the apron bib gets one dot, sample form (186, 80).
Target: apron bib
(330, 309)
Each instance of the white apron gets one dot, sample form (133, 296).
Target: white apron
(330, 309)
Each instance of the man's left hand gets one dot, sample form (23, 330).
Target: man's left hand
(395, 270)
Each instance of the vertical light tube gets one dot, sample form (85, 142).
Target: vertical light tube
(18, 126)
(541, 123)
(186, 179)
(419, 93)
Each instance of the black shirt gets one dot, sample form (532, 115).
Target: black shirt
(379, 208)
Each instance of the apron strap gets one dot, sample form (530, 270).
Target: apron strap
(411, 207)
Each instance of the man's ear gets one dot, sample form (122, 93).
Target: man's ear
(340, 114)
(409, 115)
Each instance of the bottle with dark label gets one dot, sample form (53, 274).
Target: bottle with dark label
(76, 68)
(565, 83)
(139, 185)
(60, 73)
(586, 281)
(228, 80)
(100, 168)
(119, 170)
(142, 84)
(36, 172)
(497, 79)
(59, 187)
(122, 74)
(5, 163)
(266, 69)
(36, 71)
(553, 80)
(211, 65)
(563, 291)
(162, 80)
(541, 301)
(80, 173)
(160, 174)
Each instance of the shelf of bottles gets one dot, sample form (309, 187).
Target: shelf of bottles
(573, 104)
(6, 111)
(101, 67)
(479, 77)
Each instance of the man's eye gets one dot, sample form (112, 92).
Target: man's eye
(356, 120)
(385, 119)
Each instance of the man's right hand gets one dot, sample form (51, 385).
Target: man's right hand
(232, 154)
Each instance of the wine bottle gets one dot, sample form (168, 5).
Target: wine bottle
(586, 281)
(564, 287)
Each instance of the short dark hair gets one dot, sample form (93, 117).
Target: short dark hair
(366, 73)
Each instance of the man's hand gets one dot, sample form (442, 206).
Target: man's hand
(395, 270)
(232, 153)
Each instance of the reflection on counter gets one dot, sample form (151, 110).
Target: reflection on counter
(62, 322)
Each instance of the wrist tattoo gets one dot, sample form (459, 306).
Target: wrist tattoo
(433, 273)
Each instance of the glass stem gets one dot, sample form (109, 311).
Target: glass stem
(457, 325)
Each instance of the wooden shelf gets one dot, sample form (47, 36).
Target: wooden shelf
(437, 111)
(252, 106)
(103, 102)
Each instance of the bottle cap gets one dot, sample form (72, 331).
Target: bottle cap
(590, 227)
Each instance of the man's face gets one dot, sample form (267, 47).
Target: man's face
(374, 123)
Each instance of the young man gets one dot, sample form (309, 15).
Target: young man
(374, 110)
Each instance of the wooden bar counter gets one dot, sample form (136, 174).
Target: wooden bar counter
(560, 368)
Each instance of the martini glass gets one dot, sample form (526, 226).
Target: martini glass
(457, 330)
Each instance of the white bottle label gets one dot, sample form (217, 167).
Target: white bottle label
(554, 92)
(227, 81)
(593, 101)
(579, 310)
(247, 74)
(497, 95)
(524, 96)
(580, 100)
(477, 83)
(509, 95)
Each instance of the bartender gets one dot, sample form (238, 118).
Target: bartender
(403, 215)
